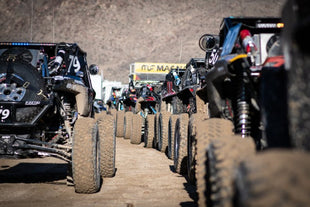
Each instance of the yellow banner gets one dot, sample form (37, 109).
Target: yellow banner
(162, 68)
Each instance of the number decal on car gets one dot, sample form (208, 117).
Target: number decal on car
(4, 113)
(213, 57)
(74, 64)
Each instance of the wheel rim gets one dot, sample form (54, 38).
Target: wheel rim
(11, 92)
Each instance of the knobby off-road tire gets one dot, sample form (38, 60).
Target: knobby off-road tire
(113, 112)
(106, 128)
(24, 76)
(138, 108)
(201, 106)
(162, 135)
(191, 146)
(163, 106)
(120, 123)
(149, 131)
(136, 129)
(177, 105)
(127, 124)
(180, 144)
(171, 130)
(295, 44)
(274, 178)
(206, 130)
(100, 115)
(85, 156)
(224, 154)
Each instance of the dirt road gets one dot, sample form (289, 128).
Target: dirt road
(144, 177)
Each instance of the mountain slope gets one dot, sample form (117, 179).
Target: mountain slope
(117, 33)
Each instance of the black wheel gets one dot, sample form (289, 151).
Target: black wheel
(20, 81)
(107, 145)
(274, 178)
(223, 156)
(99, 115)
(113, 113)
(163, 106)
(120, 123)
(191, 146)
(206, 130)
(136, 129)
(85, 156)
(171, 129)
(180, 144)
(163, 125)
(127, 124)
(295, 43)
(149, 131)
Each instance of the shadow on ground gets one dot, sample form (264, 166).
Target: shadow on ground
(190, 189)
(33, 173)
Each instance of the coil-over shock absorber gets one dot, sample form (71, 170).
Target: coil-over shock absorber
(70, 115)
(242, 115)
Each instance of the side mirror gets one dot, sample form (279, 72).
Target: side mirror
(93, 69)
(207, 42)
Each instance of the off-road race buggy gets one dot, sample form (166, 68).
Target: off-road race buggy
(182, 104)
(232, 95)
(129, 98)
(125, 110)
(46, 108)
(232, 88)
(114, 101)
(168, 106)
(285, 111)
(169, 90)
(178, 102)
(147, 106)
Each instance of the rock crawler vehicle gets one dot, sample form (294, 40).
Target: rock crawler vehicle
(285, 104)
(126, 108)
(233, 97)
(183, 106)
(233, 84)
(46, 108)
(147, 106)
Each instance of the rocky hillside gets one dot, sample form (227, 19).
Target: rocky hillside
(116, 33)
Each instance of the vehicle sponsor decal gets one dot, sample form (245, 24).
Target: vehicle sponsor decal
(32, 103)
(213, 57)
(74, 64)
(163, 68)
(270, 25)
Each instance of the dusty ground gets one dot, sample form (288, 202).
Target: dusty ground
(144, 177)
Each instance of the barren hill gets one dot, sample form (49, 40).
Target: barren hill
(119, 32)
